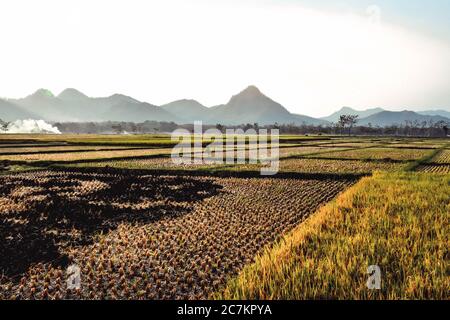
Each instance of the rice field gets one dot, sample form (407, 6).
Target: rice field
(434, 168)
(443, 157)
(145, 164)
(87, 155)
(140, 226)
(399, 222)
(57, 149)
(440, 163)
(163, 237)
(378, 154)
(336, 166)
(350, 144)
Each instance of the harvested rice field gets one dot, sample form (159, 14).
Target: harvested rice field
(142, 236)
(57, 149)
(139, 226)
(336, 166)
(443, 157)
(378, 154)
(88, 155)
(440, 163)
(351, 144)
(434, 168)
(151, 163)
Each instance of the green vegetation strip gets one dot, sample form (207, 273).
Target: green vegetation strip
(399, 222)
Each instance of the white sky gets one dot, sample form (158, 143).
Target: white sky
(313, 62)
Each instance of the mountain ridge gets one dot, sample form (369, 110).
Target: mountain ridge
(334, 117)
(437, 112)
(248, 106)
(389, 118)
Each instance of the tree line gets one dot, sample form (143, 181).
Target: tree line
(346, 125)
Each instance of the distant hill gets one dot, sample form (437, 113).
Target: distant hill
(44, 104)
(187, 110)
(138, 112)
(388, 118)
(442, 113)
(248, 106)
(302, 119)
(71, 105)
(334, 117)
(11, 112)
(71, 94)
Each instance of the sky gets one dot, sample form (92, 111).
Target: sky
(313, 57)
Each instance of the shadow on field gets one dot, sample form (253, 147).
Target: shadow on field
(44, 212)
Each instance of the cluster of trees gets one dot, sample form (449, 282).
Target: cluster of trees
(347, 124)
(3, 125)
(113, 127)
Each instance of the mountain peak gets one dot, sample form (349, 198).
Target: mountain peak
(43, 93)
(118, 97)
(347, 109)
(251, 91)
(185, 103)
(334, 117)
(71, 94)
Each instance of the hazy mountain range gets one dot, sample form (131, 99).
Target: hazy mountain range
(248, 106)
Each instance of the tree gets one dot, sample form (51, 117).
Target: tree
(220, 127)
(443, 125)
(276, 126)
(3, 125)
(348, 120)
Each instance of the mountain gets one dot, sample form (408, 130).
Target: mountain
(44, 104)
(71, 94)
(334, 117)
(72, 105)
(300, 119)
(10, 111)
(187, 110)
(139, 112)
(388, 118)
(250, 106)
(442, 113)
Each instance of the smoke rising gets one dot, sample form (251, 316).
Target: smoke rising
(30, 126)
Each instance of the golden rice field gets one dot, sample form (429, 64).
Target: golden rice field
(399, 222)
